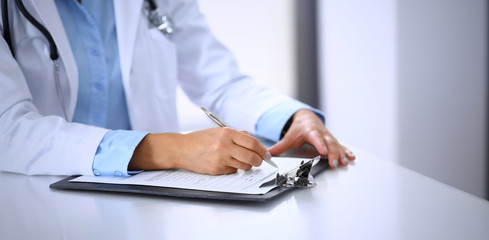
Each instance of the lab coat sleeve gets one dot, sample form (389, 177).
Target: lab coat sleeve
(34, 144)
(208, 73)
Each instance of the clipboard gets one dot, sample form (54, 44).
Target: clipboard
(65, 184)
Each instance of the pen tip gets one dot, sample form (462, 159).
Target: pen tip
(272, 163)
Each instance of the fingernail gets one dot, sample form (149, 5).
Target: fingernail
(346, 160)
(325, 149)
(334, 162)
(268, 156)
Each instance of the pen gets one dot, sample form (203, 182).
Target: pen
(221, 123)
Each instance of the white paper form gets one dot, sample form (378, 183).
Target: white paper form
(246, 182)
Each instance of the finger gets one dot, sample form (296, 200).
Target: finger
(235, 163)
(344, 159)
(246, 156)
(289, 141)
(249, 142)
(218, 169)
(318, 141)
(333, 153)
(349, 154)
(279, 147)
(226, 170)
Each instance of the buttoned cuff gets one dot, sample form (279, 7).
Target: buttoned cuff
(115, 151)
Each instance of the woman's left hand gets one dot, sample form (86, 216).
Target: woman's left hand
(306, 127)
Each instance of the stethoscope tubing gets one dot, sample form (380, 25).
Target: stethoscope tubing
(6, 25)
(53, 49)
(162, 22)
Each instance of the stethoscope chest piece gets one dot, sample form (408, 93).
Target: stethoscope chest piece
(158, 20)
(162, 22)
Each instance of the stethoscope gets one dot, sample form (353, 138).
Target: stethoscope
(162, 22)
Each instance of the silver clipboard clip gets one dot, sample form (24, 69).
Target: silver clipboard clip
(297, 177)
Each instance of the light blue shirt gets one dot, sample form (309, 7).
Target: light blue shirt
(91, 30)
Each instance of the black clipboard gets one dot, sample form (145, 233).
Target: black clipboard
(65, 184)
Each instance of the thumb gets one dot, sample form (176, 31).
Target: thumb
(280, 147)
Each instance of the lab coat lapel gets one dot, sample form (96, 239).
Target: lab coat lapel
(127, 16)
(51, 20)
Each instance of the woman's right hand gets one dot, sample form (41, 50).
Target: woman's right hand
(211, 151)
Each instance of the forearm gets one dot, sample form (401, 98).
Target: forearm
(156, 152)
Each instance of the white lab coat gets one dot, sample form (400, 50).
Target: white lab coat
(35, 138)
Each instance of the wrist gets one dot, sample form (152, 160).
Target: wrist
(305, 114)
(291, 119)
(286, 126)
(156, 152)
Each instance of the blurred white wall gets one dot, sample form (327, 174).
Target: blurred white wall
(357, 45)
(261, 36)
(407, 80)
(442, 49)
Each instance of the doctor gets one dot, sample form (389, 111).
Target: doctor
(106, 105)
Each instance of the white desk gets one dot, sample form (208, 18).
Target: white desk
(372, 199)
